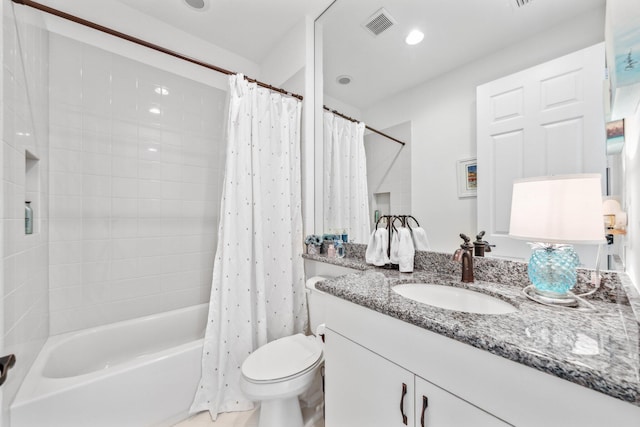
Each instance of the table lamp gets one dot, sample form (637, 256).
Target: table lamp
(552, 212)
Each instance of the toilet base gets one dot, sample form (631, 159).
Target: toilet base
(280, 413)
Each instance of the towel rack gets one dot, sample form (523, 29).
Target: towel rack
(390, 221)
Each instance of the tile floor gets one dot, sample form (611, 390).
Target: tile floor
(234, 419)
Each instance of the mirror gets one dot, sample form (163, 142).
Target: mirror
(425, 94)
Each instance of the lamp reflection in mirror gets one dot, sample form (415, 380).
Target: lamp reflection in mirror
(615, 217)
(554, 212)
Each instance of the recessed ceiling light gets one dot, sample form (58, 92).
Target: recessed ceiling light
(154, 110)
(343, 79)
(414, 37)
(161, 90)
(199, 5)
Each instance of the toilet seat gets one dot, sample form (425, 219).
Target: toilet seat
(283, 359)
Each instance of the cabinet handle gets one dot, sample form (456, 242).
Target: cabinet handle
(404, 393)
(425, 404)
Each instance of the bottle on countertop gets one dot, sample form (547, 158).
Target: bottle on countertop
(331, 250)
(340, 249)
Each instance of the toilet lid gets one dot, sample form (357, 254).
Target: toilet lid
(282, 358)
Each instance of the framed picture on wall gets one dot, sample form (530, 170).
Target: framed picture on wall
(615, 136)
(467, 170)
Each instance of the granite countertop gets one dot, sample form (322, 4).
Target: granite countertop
(596, 347)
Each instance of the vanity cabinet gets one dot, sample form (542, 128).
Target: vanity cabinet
(445, 409)
(365, 389)
(370, 355)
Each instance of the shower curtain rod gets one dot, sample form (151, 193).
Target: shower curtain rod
(366, 126)
(141, 42)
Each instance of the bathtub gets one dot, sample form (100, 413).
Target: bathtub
(140, 372)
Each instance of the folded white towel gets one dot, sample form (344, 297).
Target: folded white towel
(395, 244)
(420, 241)
(406, 251)
(376, 253)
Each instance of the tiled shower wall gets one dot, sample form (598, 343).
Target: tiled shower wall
(24, 153)
(136, 173)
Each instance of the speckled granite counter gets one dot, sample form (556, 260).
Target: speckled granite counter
(596, 349)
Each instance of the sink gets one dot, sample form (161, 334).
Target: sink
(453, 298)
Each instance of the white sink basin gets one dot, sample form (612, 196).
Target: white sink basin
(453, 298)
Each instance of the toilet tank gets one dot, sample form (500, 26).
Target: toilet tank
(315, 303)
(315, 272)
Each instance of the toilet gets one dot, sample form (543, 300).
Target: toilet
(278, 372)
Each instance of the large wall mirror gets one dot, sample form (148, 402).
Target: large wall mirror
(425, 94)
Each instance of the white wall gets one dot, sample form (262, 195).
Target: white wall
(131, 21)
(389, 170)
(287, 58)
(443, 116)
(631, 201)
(134, 195)
(25, 258)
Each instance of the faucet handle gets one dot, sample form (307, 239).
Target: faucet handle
(466, 245)
(479, 236)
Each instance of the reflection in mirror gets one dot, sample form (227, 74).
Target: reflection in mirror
(425, 94)
(346, 201)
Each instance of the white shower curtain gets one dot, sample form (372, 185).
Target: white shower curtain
(346, 199)
(257, 293)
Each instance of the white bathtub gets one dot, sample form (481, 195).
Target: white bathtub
(140, 372)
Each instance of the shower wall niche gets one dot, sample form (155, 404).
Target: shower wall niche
(32, 193)
(136, 171)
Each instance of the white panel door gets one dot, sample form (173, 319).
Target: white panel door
(364, 389)
(546, 120)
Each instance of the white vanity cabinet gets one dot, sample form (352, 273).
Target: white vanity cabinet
(365, 389)
(442, 409)
(370, 355)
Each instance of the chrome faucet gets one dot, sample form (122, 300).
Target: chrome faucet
(464, 255)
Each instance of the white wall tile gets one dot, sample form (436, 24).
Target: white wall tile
(62, 275)
(123, 181)
(124, 187)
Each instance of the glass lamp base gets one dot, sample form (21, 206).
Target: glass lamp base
(546, 298)
(552, 270)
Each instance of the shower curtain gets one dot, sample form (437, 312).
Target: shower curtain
(257, 292)
(346, 199)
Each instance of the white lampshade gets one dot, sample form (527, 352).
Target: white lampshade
(558, 209)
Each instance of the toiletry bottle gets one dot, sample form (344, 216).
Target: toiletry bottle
(340, 250)
(331, 250)
(28, 218)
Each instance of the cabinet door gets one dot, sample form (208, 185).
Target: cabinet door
(364, 389)
(436, 407)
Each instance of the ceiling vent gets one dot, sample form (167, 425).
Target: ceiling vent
(380, 22)
(521, 3)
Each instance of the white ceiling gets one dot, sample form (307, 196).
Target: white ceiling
(456, 32)
(249, 28)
